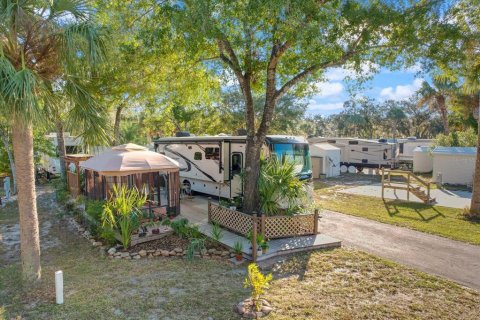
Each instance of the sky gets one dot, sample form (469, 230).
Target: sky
(384, 85)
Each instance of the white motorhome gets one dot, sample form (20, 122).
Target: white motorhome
(362, 153)
(73, 144)
(213, 164)
(407, 146)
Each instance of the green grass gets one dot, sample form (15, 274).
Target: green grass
(337, 284)
(443, 221)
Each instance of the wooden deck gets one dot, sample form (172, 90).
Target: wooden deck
(195, 210)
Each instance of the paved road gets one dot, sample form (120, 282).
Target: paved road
(451, 259)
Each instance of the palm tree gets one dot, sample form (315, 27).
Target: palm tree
(43, 46)
(436, 98)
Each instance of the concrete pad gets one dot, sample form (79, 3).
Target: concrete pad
(451, 199)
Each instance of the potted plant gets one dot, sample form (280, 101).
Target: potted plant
(264, 247)
(238, 250)
(260, 240)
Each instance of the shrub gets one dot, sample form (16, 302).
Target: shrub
(122, 212)
(217, 232)
(279, 186)
(258, 282)
(183, 229)
(195, 245)
(107, 234)
(94, 208)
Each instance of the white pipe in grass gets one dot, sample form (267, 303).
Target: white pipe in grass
(59, 286)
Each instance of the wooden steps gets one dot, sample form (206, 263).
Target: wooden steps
(406, 183)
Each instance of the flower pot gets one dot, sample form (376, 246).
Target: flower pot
(264, 250)
(259, 252)
(233, 208)
(156, 231)
(239, 257)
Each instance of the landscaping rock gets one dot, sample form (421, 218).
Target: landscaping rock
(165, 253)
(266, 310)
(136, 257)
(97, 243)
(112, 251)
(211, 251)
(133, 254)
(150, 251)
(125, 254)
(142, 253)
(178, 250)
(173, 253)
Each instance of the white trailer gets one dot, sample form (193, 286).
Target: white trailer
(362, 153)
(406, 149)
(73, 144)
(213, 164)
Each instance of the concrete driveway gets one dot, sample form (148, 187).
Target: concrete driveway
(451, 259)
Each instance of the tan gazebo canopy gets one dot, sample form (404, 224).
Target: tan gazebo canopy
(134, 166)
(129, 159)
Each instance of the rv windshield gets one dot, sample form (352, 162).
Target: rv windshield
(298, 152)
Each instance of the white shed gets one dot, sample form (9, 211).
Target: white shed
(454, 165)
(422, 160)
(325, 160)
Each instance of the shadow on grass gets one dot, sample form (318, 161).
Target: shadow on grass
(398, 209)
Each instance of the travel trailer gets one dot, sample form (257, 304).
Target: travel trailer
(356, 154)
(406, 149)
(213, 164)
(73, 144)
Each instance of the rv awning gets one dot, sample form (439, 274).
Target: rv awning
(128, 159)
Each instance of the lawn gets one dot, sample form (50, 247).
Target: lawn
(337, 284)
(442, 221)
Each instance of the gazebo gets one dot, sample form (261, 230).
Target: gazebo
(135, 166)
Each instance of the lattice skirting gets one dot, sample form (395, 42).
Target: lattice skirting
(272, 227)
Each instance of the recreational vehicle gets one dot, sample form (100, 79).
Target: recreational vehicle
(213, 164)
(406, 148)
(356, 154)
(73, 144)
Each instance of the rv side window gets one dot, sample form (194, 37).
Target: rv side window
(236, 163)
(401, 148)
(364, 149)
(197, 156)
(332, 141)
(352, 142)
(212, 153)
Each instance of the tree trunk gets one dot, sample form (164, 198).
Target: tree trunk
(116, 126)
(252, 172)
(6, 144)
(475, 202)
(22, 134)
(61, 147)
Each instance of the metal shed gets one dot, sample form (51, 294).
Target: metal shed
(454, 165)
(325, 160)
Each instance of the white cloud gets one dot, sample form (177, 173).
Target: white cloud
(401, 91)
(328, 89)
(315, 107)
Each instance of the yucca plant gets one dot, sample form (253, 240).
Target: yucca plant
(122, 212)
(279, 186)
(217, 232)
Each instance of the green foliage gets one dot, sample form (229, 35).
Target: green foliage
(196, 245)
(258, 283)
(466, 138)
(94, 208)
(107, 234)
(121, 212)
(279, 186)
(217, 232)
(238, 247)
(183, 229)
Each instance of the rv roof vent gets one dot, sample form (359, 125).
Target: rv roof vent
(382, 140)
(241, 132)
(412, 138)
(182, 134)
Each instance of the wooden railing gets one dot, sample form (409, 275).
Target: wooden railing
(386, 183)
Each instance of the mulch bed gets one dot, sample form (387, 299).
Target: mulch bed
(166, 243)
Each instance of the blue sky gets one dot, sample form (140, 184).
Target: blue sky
(384, 85)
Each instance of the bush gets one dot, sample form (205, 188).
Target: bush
(121, 213)
(94, 208)
(195, 245)
(258, 282)
(183, 229)
(107, 234)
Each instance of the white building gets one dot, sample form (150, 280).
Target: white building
(325, 160)
(422, 160)
(454, 165)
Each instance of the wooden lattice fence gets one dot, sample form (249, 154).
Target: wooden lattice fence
(272, 227)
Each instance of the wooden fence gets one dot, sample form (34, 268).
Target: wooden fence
(272, 227)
